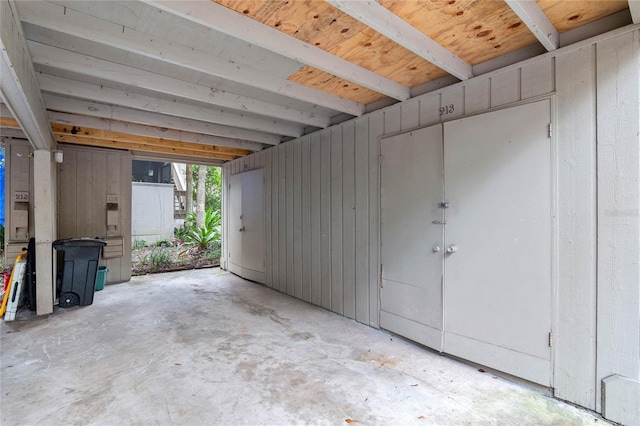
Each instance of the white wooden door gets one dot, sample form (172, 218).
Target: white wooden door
(246, 225)
(253, 254)
(497, 292)
(235, 224)
(411, 190)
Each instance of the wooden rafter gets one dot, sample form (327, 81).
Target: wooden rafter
(64, 133)
(150, 131)
(67, 61)
(67, 87)
(634, 8)
(9, 123)
(534, 18)
(381, 19)
(18, 85)
(105, 143)
(147, 118)
(110, 139)
(228, 22)
(72, 23)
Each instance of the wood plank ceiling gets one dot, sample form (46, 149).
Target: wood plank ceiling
(215, 80)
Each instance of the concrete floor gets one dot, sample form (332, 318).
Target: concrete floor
(206, 347)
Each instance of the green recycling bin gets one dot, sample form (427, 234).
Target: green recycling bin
(101, 277)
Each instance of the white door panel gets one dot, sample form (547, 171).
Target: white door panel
(411, 190)
(495, 175)
(498, 281)
(246, 225)
(235, 223)
(253, 220)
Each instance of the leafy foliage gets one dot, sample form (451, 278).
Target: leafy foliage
(138, 244)
(163, 243)
(158, 257)
(213, 187)
(204, 237)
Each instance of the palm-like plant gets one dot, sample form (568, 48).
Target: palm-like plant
(204, 236)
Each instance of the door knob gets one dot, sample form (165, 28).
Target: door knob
(436, 249)
(452, 249)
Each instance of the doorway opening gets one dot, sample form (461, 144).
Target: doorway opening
(176, 216)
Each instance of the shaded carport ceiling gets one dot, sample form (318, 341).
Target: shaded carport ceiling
(219, 79)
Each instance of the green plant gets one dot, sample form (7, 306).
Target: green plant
(159, 257)
(204, 236)
(190, 221)
(180, 234)
(138, 244)
(163, 243)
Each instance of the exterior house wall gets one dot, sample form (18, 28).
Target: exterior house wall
(19, 172)
(323, 193)
(29, 201)
(87, 178)
(151, 212)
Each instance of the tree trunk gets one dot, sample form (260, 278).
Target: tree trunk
(200, 195)
(189, 190)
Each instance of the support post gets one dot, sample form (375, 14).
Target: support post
(44, 178)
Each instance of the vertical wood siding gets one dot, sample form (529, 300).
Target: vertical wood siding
(576, 192)
(322, 190)
(85, 179)
(618, 152)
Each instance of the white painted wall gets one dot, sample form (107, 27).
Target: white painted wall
(152, 212)
(322, 205)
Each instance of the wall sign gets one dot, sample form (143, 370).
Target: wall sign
(22, 196)
(447, 109)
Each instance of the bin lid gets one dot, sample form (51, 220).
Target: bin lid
(79, 242)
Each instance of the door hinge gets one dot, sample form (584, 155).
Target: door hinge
(381, 285)
(550, 339)
(550, 130)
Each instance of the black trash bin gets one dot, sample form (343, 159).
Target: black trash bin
(77, 261)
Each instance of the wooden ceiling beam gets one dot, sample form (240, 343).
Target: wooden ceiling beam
(9, 123)
(534, 18)
(131, 146)
(18, 85)
(108, 139)
(86, 91)
(70, 22)
(149, 131)
(65, 131)
(382, 20)
(239, 138)
(634, 8)
(157, 156)
(227, 21)
(107, 71)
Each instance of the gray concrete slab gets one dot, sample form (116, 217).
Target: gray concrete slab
(206, 347)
